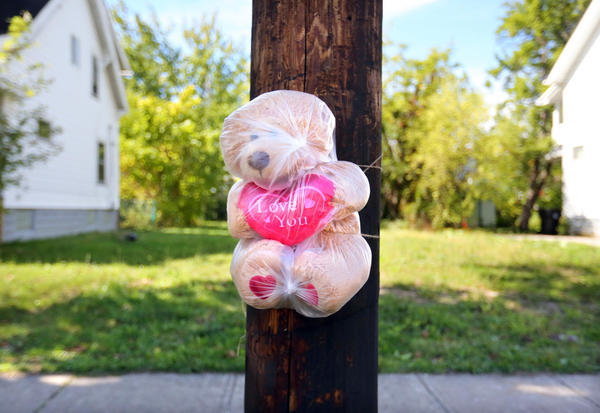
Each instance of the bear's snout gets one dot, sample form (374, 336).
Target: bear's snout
(258, 160)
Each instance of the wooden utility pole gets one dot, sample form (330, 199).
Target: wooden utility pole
(332, 49)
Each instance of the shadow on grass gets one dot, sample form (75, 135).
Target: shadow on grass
(544, 282)
(195, 326)
(532, 282)
(444, 330)
(521, 317)
(198, 326)
(151, 248)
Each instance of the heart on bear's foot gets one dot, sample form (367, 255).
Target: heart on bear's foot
(290, 215)
(309, 294)
(262, 287)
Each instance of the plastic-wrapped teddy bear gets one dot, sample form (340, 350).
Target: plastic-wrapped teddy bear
(296, 207)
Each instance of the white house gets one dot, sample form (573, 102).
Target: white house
(574, 87)
(76, 190)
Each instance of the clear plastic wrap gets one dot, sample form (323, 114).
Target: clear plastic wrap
(327, 192)
(295, 209)
(316, 278)
(277, 136)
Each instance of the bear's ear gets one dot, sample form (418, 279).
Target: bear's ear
(233, 138)
(304, 116)
(321, 129)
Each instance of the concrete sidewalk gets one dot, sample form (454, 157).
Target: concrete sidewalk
(223, 393)
(562, 239)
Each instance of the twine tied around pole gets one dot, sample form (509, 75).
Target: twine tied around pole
(365, 168)
(372, 165)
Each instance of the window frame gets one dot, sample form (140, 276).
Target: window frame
(95, 77)
(101, 163)
(44, 128)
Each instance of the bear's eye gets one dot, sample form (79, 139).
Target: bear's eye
(253, 137)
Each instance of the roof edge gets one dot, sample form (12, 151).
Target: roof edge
(113, 49)
(551, 95)
(107, 36)
(571, 55)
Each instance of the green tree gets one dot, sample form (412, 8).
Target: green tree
(407, 86)
(432, 133)
(534, 33)
(25, 133)
(451, 154)
(178, 99)
(155, 62)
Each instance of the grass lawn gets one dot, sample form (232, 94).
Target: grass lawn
(450, 301)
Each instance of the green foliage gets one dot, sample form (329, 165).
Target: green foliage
(438, 156)
(137, 214)
(451, 301)
(533, 33)
(25, 134)
(154, 61)
(433, 141)
(504, 170)
(178, 99)
(170, 153)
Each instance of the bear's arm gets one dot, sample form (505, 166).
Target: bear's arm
(351, 186)
(236, 221)
(347, 225)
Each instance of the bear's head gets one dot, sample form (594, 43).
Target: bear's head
(276, 137)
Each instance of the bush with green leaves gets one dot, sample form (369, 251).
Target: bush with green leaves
(178, 98)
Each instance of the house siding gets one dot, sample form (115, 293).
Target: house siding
(579, 137)
(62, 195)
(68, 180)
(27, 224)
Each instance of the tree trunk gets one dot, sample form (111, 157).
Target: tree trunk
(539, 175)
(331, 49)
(1, 216)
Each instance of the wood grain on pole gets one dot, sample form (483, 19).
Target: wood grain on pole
(330, 48)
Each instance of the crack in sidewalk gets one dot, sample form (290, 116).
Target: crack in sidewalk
(228, 394)
(53, 395)
(575, 390)
(432, 394)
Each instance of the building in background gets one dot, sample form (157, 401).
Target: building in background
(483, 216)
(574, 88)
(76, 190)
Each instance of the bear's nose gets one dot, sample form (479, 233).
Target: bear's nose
(258, 160)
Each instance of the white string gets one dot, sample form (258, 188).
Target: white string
(367, 167)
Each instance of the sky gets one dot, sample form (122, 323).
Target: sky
(466, 26)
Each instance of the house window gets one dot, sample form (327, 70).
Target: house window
(74, 50)
(577, 152)
(94, 76)
(44, 129)
(101, 163)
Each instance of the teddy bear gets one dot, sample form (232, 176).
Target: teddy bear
(295, 209)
